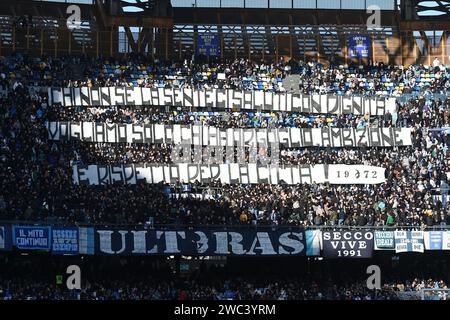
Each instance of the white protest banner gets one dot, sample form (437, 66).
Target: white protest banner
(214, 99)
(234, 173)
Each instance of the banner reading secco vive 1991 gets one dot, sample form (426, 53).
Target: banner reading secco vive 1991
(347, 244)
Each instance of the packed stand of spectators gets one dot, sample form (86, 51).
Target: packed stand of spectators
(147, 282)
(35, 173)
(139, 70)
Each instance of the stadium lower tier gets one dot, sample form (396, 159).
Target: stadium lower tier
(46, 277)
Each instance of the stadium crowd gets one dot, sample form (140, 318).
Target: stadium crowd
(140, 70)
(144, 281)
(35, 174)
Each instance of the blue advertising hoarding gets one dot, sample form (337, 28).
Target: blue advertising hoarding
(359, 46)
(208, 45)
(65, 240)
(32, 237)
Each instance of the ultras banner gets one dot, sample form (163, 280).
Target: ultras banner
(214, 99)
(234, 173)
(200, 242)
(211, 136)
(347, 244)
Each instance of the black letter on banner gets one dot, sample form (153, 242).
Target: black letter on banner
(347, 102)
(232, 181)
(105, 97)
(129, 178)
(174, 178)
(148, 133)
(361, 135)
(99, 132)
(296, 102)
(387, 140)
(193, 177)
(381, 105)
(347, 136)
(216, 176)
(160, 140)
(69, 95)
(202, 169)
(117, 170)
(306, 103)
(85, 99)
(110, 127)
(122, 139)
(209, 99)
(315, 104)
(396, 132)
(103, 180)
(129, 96)
(177, 97)
(267, 105)
(95, 97)
(52, 134)
(247, 97)
(375, 142)
(146, 97)
(336, 134)
(188, 100)
(325, 134)
(305, 175)
(357, 103)
(243, 172)
(154, 93)
(119, 92)
(64, 131)
(139, 133)
(221, 103)
(75, 135)
(307, 141)
(83, 136)
(262, 180)
(84, 182)
(238, 98)
(286, 141)
(333, 104)
(137, 168)
(168, 93)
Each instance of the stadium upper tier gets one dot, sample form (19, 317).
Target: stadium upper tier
(242, 74)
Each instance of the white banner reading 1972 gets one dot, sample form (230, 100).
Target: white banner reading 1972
(212, 136)
(221, 99)
(227, 173)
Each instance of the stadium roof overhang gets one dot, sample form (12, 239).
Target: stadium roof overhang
(250, 16)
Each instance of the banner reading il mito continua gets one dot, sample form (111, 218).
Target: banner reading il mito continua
(212, 136)
(216, 99)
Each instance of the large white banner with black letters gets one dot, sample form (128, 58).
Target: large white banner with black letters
(216, 99)
(212, 136)
(234, 173)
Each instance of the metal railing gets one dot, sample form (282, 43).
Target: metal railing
(174, 226)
